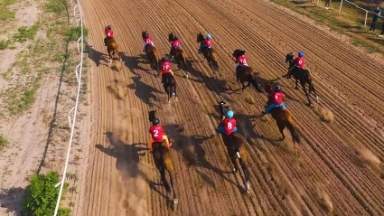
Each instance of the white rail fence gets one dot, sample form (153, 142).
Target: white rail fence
(73, 111)
(354, 4)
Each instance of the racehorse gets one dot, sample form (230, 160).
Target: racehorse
(152, 54)
(236, 148)
(303, 76)
(283, 118)
(170, 85)
(245, 73)
(113, 49)
(179, 56)
(163, 161)
(209, 55)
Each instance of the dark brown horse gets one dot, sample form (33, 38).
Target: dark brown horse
(235, 145)
(303, 76)
(163, 162)
(283, 118)
(112, 49)
(209, 55)
(179, 55)
(170, 86)
(152, 54)
(245, 73)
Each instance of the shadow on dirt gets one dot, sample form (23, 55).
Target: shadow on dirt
(133, 64)
(96, 56)
(144, 92)
(11, 199)
(193, 153)
(128, 157)
(216, 86)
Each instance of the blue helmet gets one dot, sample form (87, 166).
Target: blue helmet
(208, 36)
(301, 54)
(229, 114)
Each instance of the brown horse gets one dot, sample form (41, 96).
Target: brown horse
(283, 118)
(163, 162)
(179, 55)
(235, 145)
(303, 76)
(245, 73)
(170, 86)
(152, 54)
(209, 55)
(113, 49)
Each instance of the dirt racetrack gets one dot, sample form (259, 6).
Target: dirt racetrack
(340, 164)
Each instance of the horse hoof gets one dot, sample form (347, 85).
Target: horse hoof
(186, 76)
(234, 169)
(175, 201)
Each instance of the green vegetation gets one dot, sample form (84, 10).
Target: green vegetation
(42, 195)
(6, 14)
(56, 6)
(4, 44)
(26, 33)
(3, 142)
(350, 22)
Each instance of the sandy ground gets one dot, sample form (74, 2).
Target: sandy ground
(340, 163)
(35, 134)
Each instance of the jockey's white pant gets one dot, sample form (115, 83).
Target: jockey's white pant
(238, 64)
(146, 44)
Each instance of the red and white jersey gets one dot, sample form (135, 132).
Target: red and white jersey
(156, 132)
(242, 60)
(165, 67)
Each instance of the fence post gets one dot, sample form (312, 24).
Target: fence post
(366, 17)
(341, 4)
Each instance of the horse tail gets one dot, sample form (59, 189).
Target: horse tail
(214, 60)
(162, 173)
(291, 127)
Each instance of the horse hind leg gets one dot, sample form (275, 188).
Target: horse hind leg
(164, 180)
(281, 126)
(306, 94)
(246, 175)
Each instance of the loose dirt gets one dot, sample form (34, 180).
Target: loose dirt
(120, 175)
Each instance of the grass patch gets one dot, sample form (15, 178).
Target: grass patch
(26, 33)
(56, 6)
(350, 22)
(21, 98)
(6, 14)
(3, 142)
(4, 44)
(74, 33)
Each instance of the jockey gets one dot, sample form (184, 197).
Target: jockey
(165, 68)
(147, 40)
(299, 63)
(109, 34)
(241, 60)
(175, 44)
(228, 125)
(157, 134)
(277, 100)
(207, 43)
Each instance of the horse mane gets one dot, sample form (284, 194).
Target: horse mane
(143, 33)
(200, 37)
(151, 115)
(170, 37)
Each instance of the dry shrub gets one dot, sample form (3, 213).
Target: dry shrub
(323, 198)
(249, 99)
(324, 113)
(368, 156)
